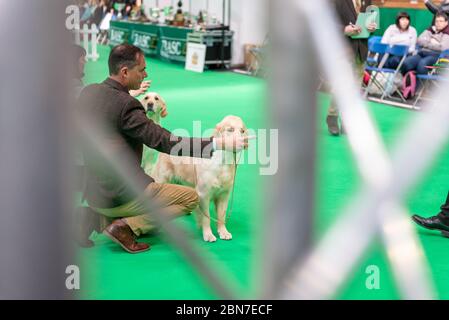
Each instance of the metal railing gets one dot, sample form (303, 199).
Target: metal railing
(33, 237)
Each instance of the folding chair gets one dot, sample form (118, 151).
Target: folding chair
(435, 75)
(387, 51)
(374, 39)
(372, 59)
(375, 50)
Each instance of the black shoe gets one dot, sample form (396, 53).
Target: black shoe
(87, 222)
(432, 223)
(332, 125)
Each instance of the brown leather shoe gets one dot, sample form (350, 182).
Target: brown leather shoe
(119, 232)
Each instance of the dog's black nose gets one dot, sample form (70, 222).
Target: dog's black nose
(150, 107)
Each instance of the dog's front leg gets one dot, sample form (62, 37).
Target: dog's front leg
(149, 159)
(221, 205)
(204, 216)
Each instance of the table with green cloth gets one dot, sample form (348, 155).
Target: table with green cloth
(165, 42)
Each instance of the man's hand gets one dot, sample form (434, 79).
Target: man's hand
(352, 30)
(143, 88)
(233, 143)
(372, 27)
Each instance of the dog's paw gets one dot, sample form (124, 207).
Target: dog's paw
(209, 237)
(225, 234)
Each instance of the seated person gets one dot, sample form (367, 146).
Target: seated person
(98, 12)
(400, 33)
(87, 12)
(432, 42)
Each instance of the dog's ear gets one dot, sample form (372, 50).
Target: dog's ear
(164, 112)
(161, 99)
(218, 129)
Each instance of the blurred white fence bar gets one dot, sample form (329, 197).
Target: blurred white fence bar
(89, 38)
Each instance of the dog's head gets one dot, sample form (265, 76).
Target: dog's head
(231, 125)
(153, 104)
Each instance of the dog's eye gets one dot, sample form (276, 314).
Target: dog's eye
(242, 130)
(156, 98)
(230, 129)
(146, 98)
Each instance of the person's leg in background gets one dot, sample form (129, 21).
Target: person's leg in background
(392, 62)
(427, 60)
(410, 63)
(439, 222)
(332, 118)
(444, 213)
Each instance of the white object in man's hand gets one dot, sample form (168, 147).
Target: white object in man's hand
(352, 30)
(232, 143)
(372, 27)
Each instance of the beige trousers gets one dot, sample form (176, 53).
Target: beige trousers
(168, 199)
(358, 71)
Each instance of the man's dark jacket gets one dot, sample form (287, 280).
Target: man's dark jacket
(347, 14)
(122, 128)
(434, 8)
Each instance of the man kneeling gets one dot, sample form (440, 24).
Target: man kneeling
(122, 128)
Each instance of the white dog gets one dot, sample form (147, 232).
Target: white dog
(212, 178)
(156, 109)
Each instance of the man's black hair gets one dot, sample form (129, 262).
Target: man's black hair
(123, 55)
(77, 52)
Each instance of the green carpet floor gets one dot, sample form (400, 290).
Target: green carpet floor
(162, 273)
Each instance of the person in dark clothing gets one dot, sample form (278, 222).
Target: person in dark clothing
(99, 11)
(77, 63)
(86, 219)
(347, 13)
(434, 8)
(439, 222)
(122, 128)
(127, 6)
